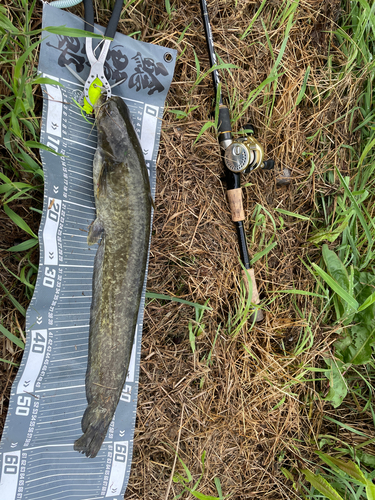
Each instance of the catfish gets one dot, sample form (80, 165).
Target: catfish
(122, 227)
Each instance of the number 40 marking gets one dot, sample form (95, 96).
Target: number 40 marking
(38, 343)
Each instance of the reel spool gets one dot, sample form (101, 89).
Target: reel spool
(245, 153)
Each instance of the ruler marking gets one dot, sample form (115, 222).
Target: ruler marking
(84, 162)
(63, 402)
(79, 144)
(72, 215)
(75, 235)
(71, 428)
(53, 446)
(71, 496)
(68, 359)
(63, 412)
(72, 272)
(67, 468)
(61, 388)
(73, 265)
(81, 187)
(76, 84)
(79, 126)
(82, 181)
(79, 205)
(80, 164)
(82, 175)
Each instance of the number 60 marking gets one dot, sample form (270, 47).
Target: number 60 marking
(11, 464)
(121, 453)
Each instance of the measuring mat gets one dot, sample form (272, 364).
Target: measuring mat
(37, 460)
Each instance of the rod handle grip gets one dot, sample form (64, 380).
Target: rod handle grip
(255, 295)
(234, 197)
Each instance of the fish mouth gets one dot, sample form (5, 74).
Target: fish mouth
(100, 103)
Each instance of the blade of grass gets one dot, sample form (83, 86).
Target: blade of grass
(9, 335)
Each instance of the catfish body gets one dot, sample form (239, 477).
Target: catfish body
(123, 217)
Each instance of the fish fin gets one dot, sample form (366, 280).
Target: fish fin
(102, 180)
(95, 232)
(90, 442)
(94, 428)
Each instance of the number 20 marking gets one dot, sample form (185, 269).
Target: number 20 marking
(53, 212)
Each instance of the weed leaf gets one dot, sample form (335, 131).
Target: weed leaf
(264, 252)
(19, 221)
(337, 386)
(25, 245)
(364, 286)
(189, 477)
(292, 214)
(366, 459)
(368, 302)
(345, 426)
(336, 287)
(359, 351)
(370, 490)
(5, 23)
(356, 208)
(14, 301)
(335, 267)
(206, 126)
(34, 144)
(2, 360)
(21, 61)
(321, 485)
(9, 335)
(74, 32)
(201, 496)
(152, 295)
(44, 80)
(218, 487)
(302, 92)
(349, 468)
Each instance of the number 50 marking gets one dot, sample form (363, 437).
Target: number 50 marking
(23, 406)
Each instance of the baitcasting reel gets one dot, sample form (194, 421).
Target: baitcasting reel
(245, 154)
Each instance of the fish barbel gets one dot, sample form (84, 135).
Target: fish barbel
(123, 217)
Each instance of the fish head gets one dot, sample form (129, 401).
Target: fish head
(113, 126)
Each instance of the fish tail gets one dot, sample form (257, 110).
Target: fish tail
(94, 428)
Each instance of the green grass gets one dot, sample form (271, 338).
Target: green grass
(345, 274)
(188, 484)
(349, 268)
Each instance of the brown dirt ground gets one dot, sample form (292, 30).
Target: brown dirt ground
(248, 410)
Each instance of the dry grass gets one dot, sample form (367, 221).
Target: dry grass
(251, 409)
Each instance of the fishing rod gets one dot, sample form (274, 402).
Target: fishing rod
(243, 154)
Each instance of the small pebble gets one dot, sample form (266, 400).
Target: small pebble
(284, 178)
